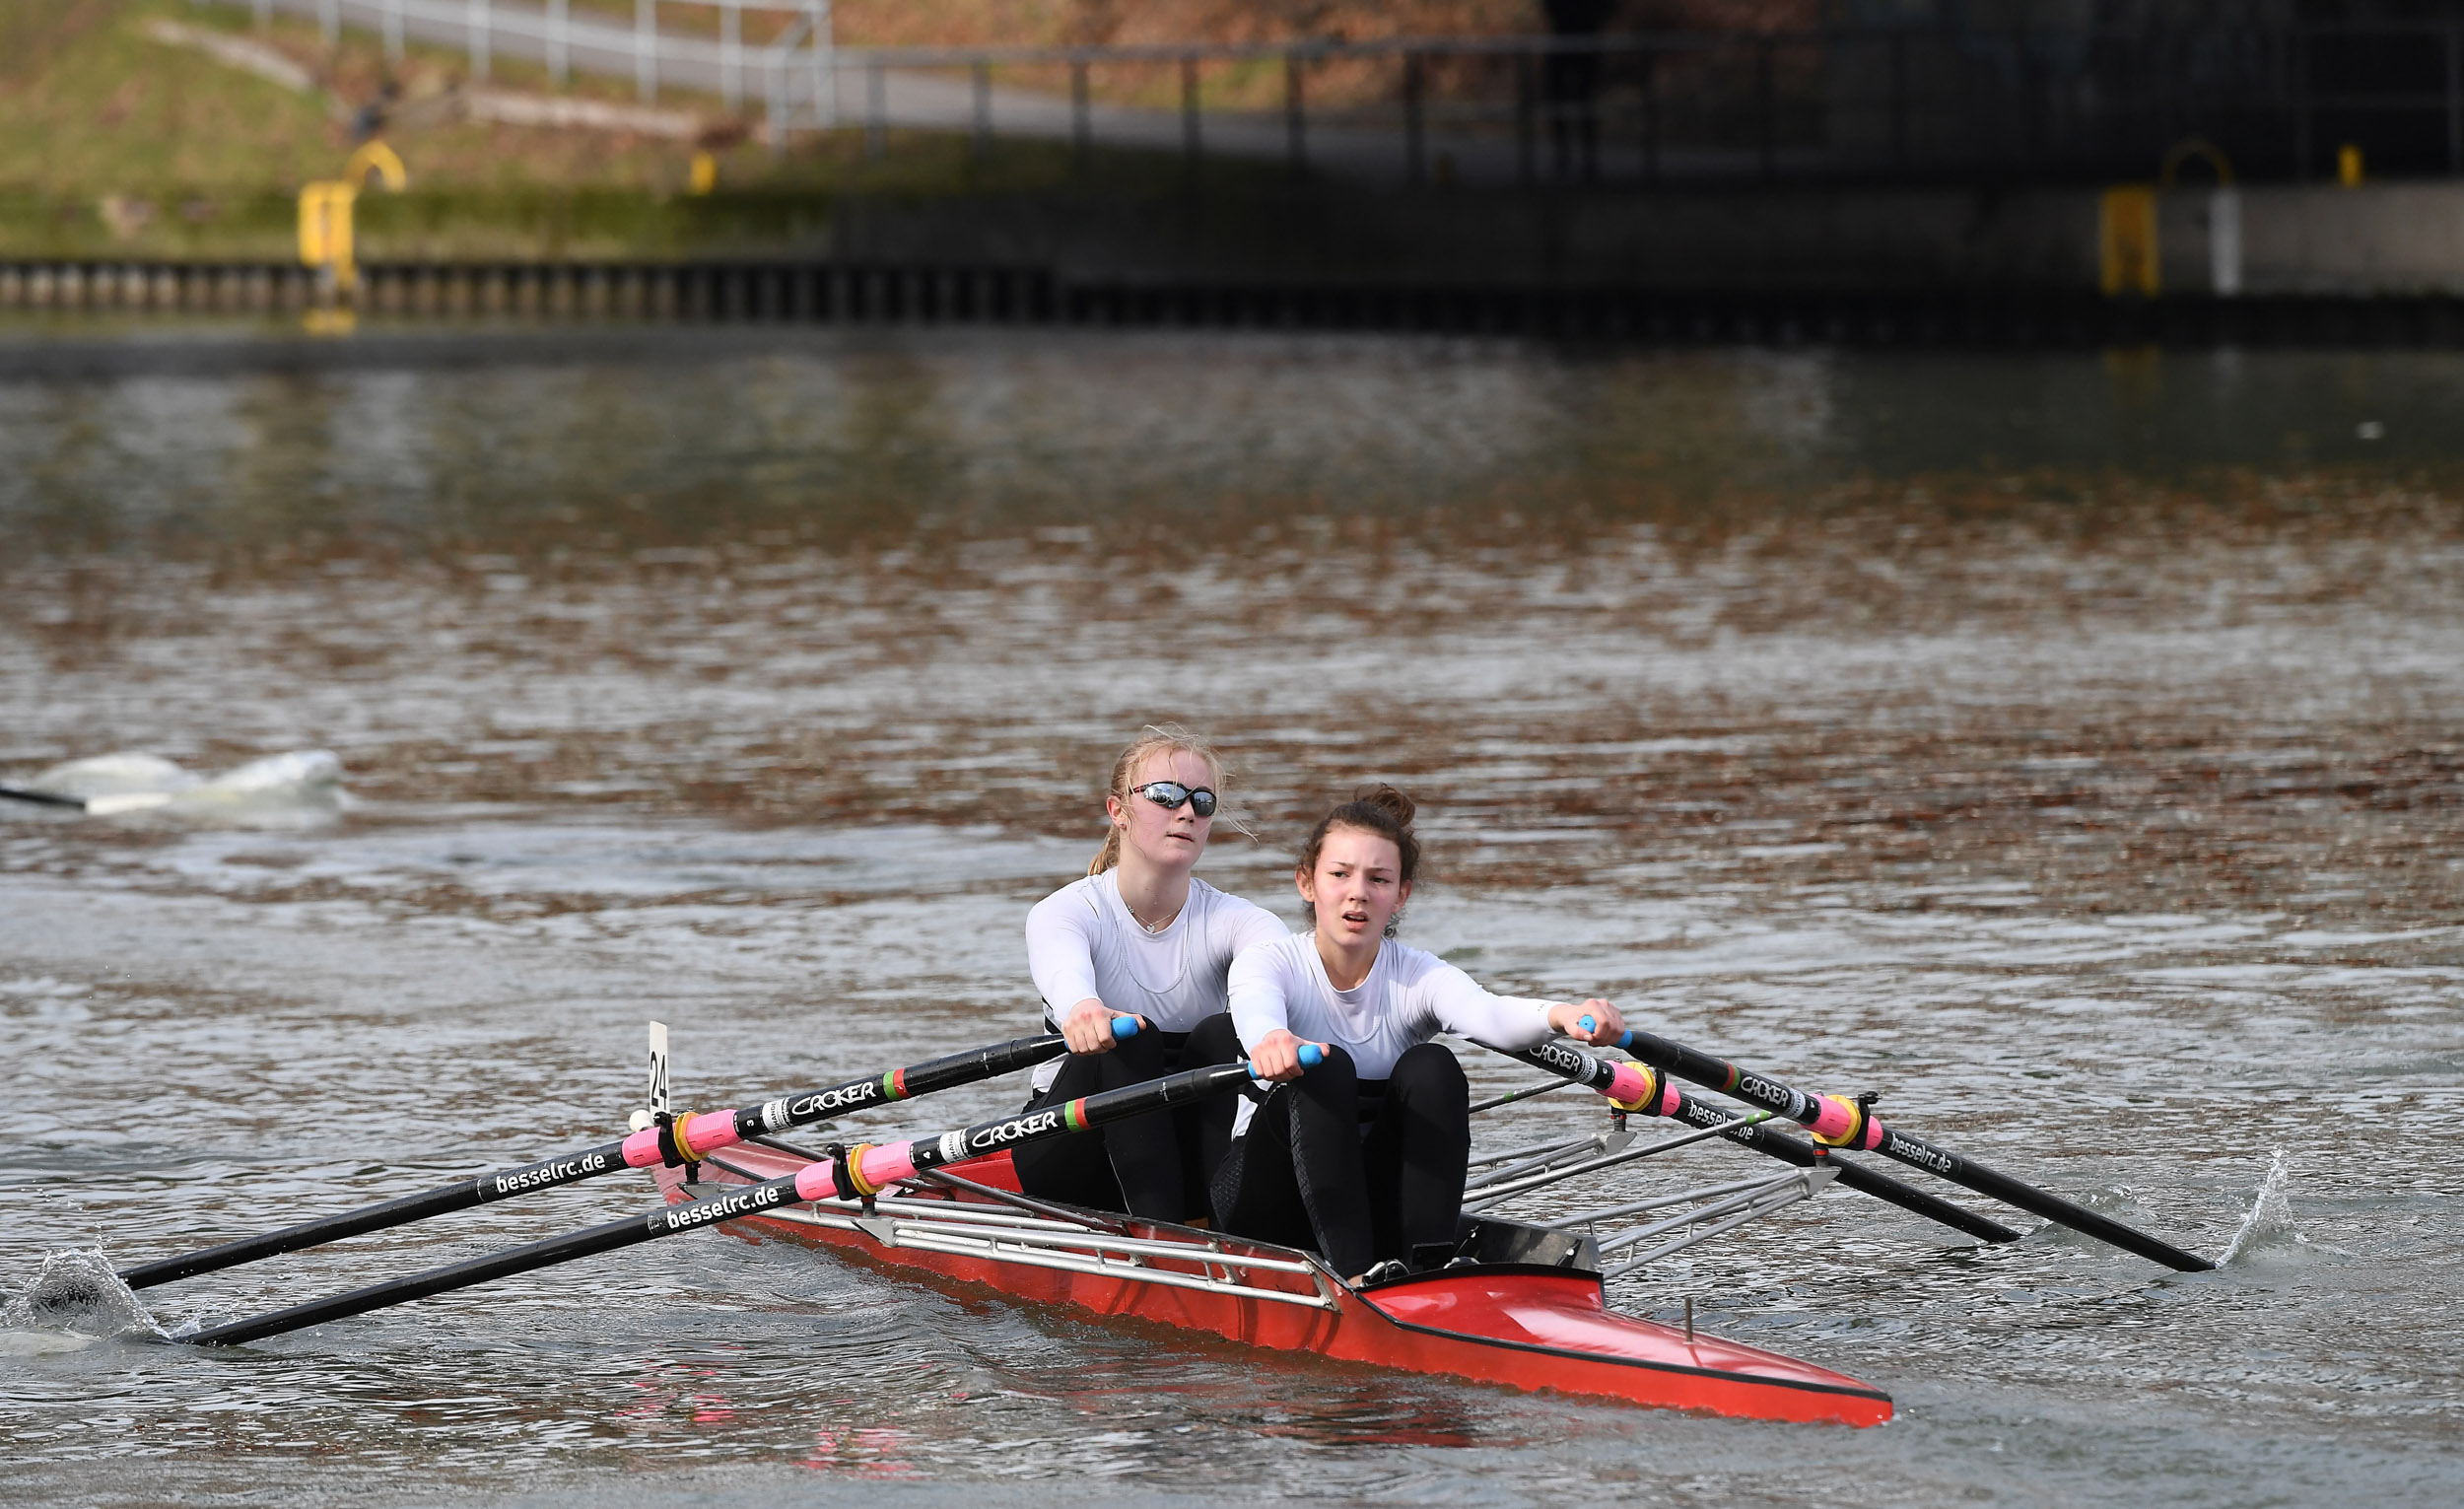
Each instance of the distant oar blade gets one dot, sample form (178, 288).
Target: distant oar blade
(128, 801)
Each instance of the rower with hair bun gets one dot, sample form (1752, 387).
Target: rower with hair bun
(1363, 1157)
(1139, 937)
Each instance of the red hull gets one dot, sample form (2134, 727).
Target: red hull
(1527, 1327)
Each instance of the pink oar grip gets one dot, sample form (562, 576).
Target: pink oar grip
(1628, 1084)
(817, 1180)
(887, 1162)
(1631, 1084)
(713, 1130)
(706, 1132)
(1840, 1125)
(879, 1166)
(1834, 1121)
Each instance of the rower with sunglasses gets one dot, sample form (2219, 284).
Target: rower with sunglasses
(1139, 937)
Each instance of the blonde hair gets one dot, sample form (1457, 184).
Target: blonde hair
(1155, 739)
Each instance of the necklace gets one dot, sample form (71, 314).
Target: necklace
(1150, 928)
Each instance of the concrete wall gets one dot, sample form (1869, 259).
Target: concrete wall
(2378, 240)
(1830, 241)
(2395, 239)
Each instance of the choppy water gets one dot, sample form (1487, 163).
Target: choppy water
(2066, 747)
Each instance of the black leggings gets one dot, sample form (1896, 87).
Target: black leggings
(1147, 1165)
(1359, 1170)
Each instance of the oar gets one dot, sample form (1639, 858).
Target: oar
(42, 799)
(680, 1140)
(100, 806)
(1646, 1091)
(864, 1172)
(1838, 1121)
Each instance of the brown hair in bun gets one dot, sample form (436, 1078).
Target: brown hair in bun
(1380, 809)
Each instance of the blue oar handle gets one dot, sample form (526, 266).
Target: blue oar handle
(1624, 1041)
(1311, 1055)
(1124, 1028)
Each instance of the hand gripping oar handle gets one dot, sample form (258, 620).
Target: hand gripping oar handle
(1642, 1088)
(681, 1141)
(1838, 1122)
(865, 1171)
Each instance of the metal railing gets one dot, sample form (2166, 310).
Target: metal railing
(1883, 103)
(655, 57)
(993, 1235)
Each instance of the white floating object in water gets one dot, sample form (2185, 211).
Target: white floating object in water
(299, 785)
(115, 775)
(2370, 430)
(292, 774)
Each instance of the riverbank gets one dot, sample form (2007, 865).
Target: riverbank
(1141, 219)
(177, 195)
(2377, 265)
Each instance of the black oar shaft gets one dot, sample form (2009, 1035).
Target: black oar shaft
(42, 799)
(1597, 1074)
(461, 1195)
(815, 1181)
(504, 1264)
(1967, 1173)
(1773, 1143)
(1771, 1095)
(941, 1073)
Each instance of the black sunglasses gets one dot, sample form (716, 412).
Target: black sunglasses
(1169, 794)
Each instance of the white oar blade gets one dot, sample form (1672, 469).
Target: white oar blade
(132, 801)
(123, 774)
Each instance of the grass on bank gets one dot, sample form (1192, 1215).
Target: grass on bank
(116, 144)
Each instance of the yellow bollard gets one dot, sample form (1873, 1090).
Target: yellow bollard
(704, 175)
(2127, 240)
(2349, 166)
(325, 231)
(325, 239)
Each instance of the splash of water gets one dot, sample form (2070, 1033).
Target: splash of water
(2270, 1222)
(75, 1297)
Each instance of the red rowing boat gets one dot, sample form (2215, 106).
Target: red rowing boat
(1526, 1310)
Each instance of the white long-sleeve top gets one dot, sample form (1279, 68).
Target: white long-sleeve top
(1410, 998)
(1082, 941)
